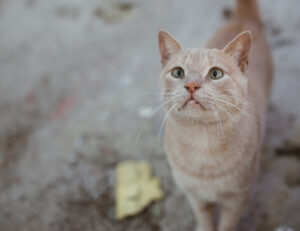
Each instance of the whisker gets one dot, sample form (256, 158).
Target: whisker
(230, 104)
(223, 109)
(152, 101)
(144, 124)
(152, 94)
(220, 122)
(241, 100)
(238, 108)
(162, 124)
(217, 118)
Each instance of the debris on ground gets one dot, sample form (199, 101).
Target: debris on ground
(136, 188)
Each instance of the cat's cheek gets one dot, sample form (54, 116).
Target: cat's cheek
(219, 84)
(171, 83)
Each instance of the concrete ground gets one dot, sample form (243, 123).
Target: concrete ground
(72, 71)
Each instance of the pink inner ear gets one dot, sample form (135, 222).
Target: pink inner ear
(167, 46)
(239, 49)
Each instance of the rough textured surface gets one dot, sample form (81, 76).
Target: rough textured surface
(71, 72)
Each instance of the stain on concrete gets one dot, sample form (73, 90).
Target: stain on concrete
(116, 12)
(12, 144)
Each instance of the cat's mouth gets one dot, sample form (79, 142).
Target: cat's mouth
(192, 102)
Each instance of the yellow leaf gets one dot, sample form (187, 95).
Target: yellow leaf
(135, 188)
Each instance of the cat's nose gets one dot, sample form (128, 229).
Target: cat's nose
(192, 87)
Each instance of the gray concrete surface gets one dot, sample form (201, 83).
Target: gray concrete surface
(71, 72)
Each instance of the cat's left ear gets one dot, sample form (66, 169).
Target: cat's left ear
(167, 46)
(239, 49)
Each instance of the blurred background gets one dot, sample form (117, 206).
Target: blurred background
(71, 73)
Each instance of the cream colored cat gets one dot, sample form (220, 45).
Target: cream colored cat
(216, 99)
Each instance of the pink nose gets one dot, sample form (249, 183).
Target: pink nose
(192, 87)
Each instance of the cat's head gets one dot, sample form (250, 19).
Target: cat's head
(202, 84)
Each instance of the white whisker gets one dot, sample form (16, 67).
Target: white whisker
(227, 113)
(144, 124)
(219, 99)
(217, 118)
(162, 124)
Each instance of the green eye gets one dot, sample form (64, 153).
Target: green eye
(215, 73)
(178, 73)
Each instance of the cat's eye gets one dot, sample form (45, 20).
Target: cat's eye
(215, 73)
(178, 73)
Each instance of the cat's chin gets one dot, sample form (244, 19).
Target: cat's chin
(192, 110)
(191, 117)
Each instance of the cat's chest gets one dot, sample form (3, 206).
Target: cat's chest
(204, 159)
(199, 151)
(206, 178)
(208, 189)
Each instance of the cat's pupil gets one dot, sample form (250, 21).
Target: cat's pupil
(179, 72)
(215, 73)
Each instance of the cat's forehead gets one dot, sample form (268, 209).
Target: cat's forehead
(198, 58)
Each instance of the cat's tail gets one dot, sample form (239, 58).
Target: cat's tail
(247, 11)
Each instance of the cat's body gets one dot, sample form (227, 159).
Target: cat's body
(215, 125)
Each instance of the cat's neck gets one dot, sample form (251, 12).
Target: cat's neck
(199, 149)
(206, 137)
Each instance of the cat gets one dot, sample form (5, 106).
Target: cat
(216, 99)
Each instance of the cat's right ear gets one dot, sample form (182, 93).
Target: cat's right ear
(167, 46)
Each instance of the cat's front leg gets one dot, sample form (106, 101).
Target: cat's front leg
(232, 208)
(203, 211)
